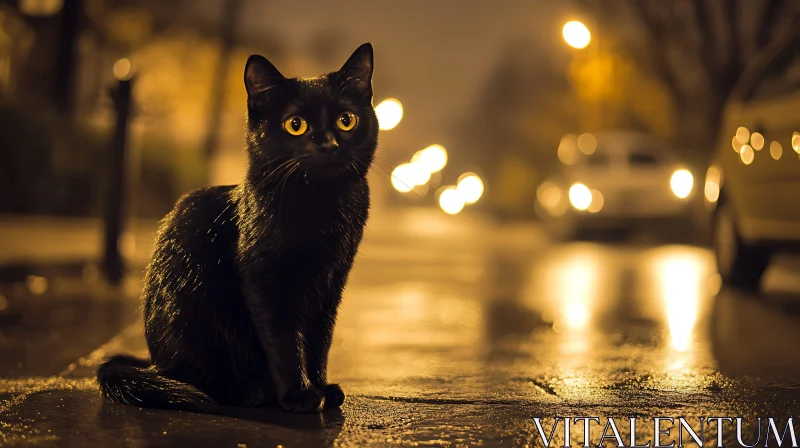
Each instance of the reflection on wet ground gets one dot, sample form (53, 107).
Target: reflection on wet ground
(48, 322)
(461, 340)
(574, 299)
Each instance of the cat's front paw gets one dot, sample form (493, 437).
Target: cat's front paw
(304, 400)
(334, 397)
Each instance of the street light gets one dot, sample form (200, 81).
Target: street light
(576, 34)
(122, 69)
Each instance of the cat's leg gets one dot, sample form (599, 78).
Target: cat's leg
(278, 331)
(318, 338)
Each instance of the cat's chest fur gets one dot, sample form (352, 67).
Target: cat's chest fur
(313, 233)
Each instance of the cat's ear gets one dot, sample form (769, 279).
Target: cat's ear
(356, 74)
(260, 75)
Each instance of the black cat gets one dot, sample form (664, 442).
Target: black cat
(241, 293)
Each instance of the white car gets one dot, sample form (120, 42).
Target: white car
(753, 184)
(614, 179)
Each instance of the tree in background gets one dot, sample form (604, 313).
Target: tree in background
(530, 102)
(696, 49)
(189, 95)
(612, 92)
(513, 131)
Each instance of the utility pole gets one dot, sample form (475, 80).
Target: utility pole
(113, 264)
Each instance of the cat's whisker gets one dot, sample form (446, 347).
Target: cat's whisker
(386, 185)
(280, 167)
(285, 175)
(355, 168)
(387, 162)
(383, 164)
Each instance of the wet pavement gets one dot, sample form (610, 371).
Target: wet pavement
(49, 319)
(460, 335)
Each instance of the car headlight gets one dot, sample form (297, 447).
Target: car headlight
(580, 196)
(681, 183)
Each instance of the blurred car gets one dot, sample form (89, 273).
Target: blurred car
(614, 179)
(752, 186)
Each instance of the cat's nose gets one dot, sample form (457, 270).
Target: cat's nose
(327, 142)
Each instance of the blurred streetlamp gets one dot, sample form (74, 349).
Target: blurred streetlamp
(114, 218)
(389, 113)
(576, 34)
(123, 70)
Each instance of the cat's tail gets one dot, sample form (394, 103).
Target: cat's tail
(130, 380)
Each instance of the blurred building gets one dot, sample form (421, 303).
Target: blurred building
(188, 56)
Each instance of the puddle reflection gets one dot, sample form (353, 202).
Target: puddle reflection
(582, 319)
(590, 288)
(568, 287)
(681, 277)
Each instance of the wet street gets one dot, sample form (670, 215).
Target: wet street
(459, 334)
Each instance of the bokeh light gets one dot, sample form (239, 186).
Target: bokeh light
(122, 69)
(580, 196)
(548, 194)
(681, 183)
(587, 143)
(757, 141)
(597, 202)
(451, 201)
(737, 145)
(470, 187)
(747, 154)
(742, 134)
(568, 150)
(389, 113)
(433, 158)
(419, 174)
(713, 179)
(36, 284)
(403, 178)
(576, 34)
(775, 150)
(796, 142)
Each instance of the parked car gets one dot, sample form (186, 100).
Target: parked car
(752, 186)
(614, 179)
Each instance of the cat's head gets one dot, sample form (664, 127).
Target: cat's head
(325, 126)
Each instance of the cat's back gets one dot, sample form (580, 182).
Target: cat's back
(202, 216)
(191, 270)
(197, 236)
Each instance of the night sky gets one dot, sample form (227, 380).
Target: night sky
(433, 57)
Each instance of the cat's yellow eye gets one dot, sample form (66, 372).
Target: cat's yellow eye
(346, 121)
(295, 126)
